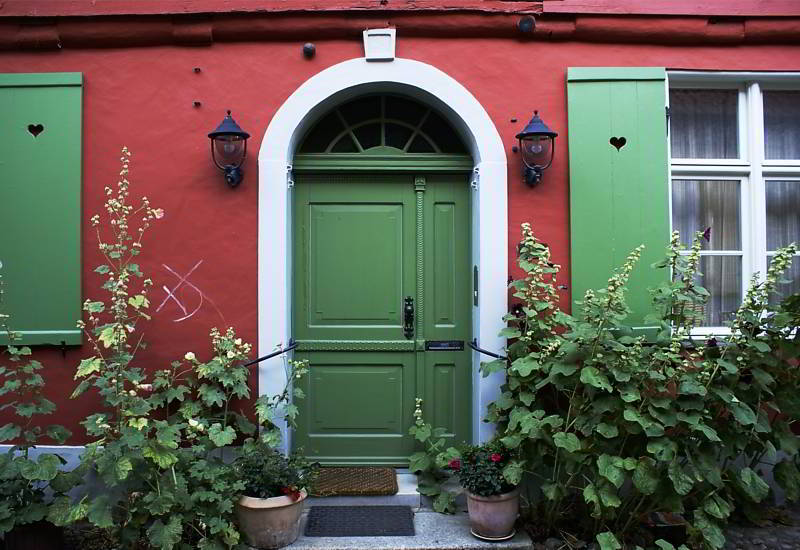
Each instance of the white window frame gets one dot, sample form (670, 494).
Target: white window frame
(751, 168)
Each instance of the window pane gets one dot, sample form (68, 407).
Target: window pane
(783, 213)
(396, 135)
(345, 145)
(722, 277)
(361, 109)
(782, 125)
(786, 289)
(368, 135)
(703, 124)
(701, 204)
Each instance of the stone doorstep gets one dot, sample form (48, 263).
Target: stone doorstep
(406, 495)
(433, 532)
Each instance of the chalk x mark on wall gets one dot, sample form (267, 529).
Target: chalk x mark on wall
(183, 281)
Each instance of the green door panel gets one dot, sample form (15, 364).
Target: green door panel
(40, 205)
(362, 244)
(618, 197)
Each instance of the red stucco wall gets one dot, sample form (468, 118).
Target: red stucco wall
(143, 98)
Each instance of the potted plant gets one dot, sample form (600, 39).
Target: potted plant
(492, 501)
(270, 508)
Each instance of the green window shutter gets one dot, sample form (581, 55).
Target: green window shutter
(618, 197)
(40, 205)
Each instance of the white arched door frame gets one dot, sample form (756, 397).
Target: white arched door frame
(489, 204)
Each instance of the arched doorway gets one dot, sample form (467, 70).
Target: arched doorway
(381, 275)
(488, 198)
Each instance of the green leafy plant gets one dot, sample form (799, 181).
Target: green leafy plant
(432, 464)
(24, 482)
(482, 469)
(267, 473)
(162, 444)
(613, 427)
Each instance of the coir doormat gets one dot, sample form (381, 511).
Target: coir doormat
(367, 481)
(360, 521)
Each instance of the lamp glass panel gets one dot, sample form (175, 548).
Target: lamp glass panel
(229, 150)
(537, 150)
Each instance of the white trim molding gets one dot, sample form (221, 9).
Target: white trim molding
(306, 105)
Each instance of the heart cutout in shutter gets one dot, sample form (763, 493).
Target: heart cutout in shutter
(35, 129)
(618, 142)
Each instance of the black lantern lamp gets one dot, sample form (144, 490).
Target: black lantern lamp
(537, 143)
(228, 149)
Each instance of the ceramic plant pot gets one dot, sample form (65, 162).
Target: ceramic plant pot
(492, 518)
(270, 523)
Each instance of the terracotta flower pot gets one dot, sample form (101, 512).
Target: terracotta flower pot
(270, 523)
(492, 518)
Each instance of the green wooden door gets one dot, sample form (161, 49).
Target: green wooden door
(363, 244)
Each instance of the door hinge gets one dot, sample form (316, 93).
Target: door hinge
(475, 178)
(666, 110)
(289, 177)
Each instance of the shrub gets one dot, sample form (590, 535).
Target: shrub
(160, 444)
(613, 427)
(25, 483)
(267, 473)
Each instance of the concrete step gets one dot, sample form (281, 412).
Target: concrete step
(407, 495)
(433, 532)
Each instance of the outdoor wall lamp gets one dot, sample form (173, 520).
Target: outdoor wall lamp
(228, 149)
(538, 144)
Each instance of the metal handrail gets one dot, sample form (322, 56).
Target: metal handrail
(474, 345)
(290, 347)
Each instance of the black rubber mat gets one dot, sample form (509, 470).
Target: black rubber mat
(360, 521)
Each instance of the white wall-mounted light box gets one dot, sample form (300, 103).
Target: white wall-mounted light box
(379, 44)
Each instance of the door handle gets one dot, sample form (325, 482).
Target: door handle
(408, 317)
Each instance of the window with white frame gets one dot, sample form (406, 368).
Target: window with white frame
(735, 175)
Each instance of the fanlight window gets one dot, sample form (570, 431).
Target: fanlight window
(383, 124)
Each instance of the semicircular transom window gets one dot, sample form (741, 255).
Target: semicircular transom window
(383, 124)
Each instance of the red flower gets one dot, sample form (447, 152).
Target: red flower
(496, 457)
(455, 464)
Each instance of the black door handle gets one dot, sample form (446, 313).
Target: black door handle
(408, 317)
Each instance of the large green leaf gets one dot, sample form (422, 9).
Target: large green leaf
(99, 512)
(221, 437)
(593, 377)
(591, 496)
(165, 536)
(608, 541)
(63, 511)
(752, 485)
(743, 413)
(611, 468)
(9, 431)
(44, 469)
(419, 462)
(607, 430)
(711, 531)
(788, 477)
(567, 441)
(645, 476)
(682, 482)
